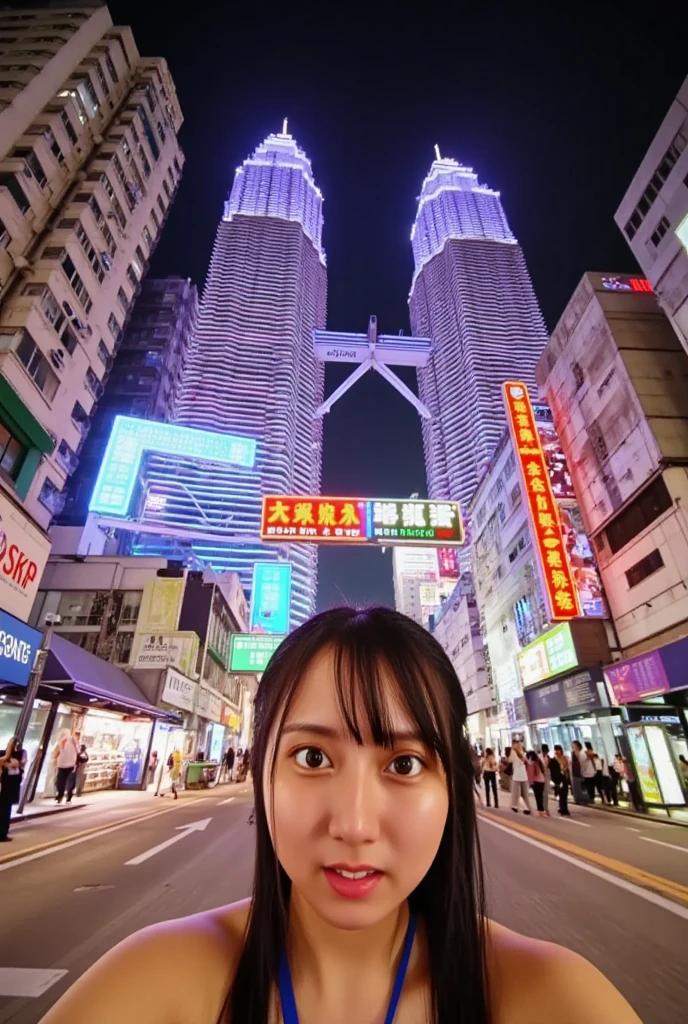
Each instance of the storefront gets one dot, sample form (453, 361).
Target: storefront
(574, 707)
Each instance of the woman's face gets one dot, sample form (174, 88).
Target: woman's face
(343, 809)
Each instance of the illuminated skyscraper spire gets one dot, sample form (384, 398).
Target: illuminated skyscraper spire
(471, 293)
(251, 369)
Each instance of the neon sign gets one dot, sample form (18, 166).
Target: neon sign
(385, 521)
(270, 597)
(131, 437)
(558, 582)
(626, 284)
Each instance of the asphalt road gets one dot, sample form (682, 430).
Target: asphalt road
(65, 907)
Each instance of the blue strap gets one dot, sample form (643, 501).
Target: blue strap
(401, 970)
(286, 989)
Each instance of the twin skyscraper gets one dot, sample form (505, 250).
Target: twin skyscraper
(252, 369)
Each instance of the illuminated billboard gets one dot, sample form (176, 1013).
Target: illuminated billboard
(561, 593)
(270, 597)
(550, 654)
(251, 652)
(385, 521)
(626, 284)
(131, 437)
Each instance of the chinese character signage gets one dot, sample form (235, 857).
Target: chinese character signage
(558, 581)
(552, 653)
(271, 597)
(385, 521)
(251, 652)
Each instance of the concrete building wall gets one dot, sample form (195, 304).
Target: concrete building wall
(653, 214)
(90, 166)
(458, 630)
(616, 378)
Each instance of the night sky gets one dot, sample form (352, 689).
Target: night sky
(555, 112)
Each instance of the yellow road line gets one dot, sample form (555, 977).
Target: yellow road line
(59, 840)
(644, 878)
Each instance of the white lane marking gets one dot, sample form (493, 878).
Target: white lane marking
(228, 801)
(645, 894)
(629, 829)
(82, 839)
(658, 842)
(572, 821)
(29, 982)
(184, 831)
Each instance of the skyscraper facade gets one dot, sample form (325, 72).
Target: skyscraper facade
(145, 379)
(472, 294)
(251, 371)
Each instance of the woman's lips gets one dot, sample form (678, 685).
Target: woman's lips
(353, 888)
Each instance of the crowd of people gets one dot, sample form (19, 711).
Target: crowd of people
(583, 772)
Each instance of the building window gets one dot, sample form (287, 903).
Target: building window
(103, 353)
(82, 607)
(148, 132)
(167, 190)
(102, 226)
(77, 284)
(67, 457)
(101, 78)
(37, 366)
(55, 148)
(665, 168)
(33, 288)
(123, 300)
(660, 231)
(4, 236)
(59, 321)
(123, 645)
(81, 419)
(144, 161)
(90, 253)
(645, 567)
(33, 164)
(67, 223)
(654, 501)
(149, 240)
(10, 181)
(112, 70)
(161, 206)
(12, 452)
(68, 127)
(155, 221)
(93, 384)
(176, 165)
(51, 497)
(73, 94)
(114, 326)
(131, 605)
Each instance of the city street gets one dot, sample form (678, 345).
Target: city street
(65, 905)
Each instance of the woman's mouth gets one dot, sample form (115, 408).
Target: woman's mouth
(353, 882)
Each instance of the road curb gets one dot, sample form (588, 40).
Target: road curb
(675, 890)
(621, 812)
(61, 840)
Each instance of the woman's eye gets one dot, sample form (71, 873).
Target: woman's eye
(406, 765)
(312, 757)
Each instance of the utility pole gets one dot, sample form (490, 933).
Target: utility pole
(51, 621)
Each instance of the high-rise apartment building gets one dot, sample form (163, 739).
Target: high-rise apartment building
(145, 379)
(653, 214)
(252, 372)
(89, 165)
(471, 293)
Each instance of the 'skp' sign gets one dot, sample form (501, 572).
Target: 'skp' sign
(24, 550)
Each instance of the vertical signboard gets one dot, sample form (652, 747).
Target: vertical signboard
(271, 597)
(561, 593)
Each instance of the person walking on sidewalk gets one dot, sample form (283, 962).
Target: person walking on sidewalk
(12, 763)
(229, 763)
(546, 761)
(82, 760)
(564, 771)
(536, 778)
(519, 777)
(490, 776)
(65, 757)
(174, 768)
(589, 770)
(577, 759)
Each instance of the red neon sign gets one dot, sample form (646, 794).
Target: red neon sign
(555, 569)
(314, 518)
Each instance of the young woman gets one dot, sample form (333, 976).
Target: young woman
(490, 776)
(536, 780)
(367, 898)
(564, 781)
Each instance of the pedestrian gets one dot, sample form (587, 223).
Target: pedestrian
(12, 764)
(577, 758)
(489, 767)
(360, 752)
(535, 771)
(683, 772)
(82, 760)
(152, 767)
(476, 764)
(519, 778)
(598, 783)
(589, 770)
(546, 759)
(632, 784)
(229, 763)
(174, 769)
(564, 772)
(505, 770)
(64, 757)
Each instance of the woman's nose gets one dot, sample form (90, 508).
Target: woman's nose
(354, 807)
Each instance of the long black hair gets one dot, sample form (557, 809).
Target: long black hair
(450, 898)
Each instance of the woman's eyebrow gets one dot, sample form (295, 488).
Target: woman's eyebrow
(328, 732)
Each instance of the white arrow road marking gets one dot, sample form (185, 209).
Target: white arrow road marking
(184, 830)
(228, 801)
(29, 982)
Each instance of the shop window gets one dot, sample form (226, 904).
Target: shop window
(123, 645)
(131, 605)
(645, 567)
(12, 452)
(82, 607)
(654, 501)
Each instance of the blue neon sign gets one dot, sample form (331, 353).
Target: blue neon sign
(271, 597)
(131, 437)
(18, 646)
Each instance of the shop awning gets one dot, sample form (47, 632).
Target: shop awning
(84, 673)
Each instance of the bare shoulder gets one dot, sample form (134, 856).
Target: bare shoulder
(527, 976)
(176, 972)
